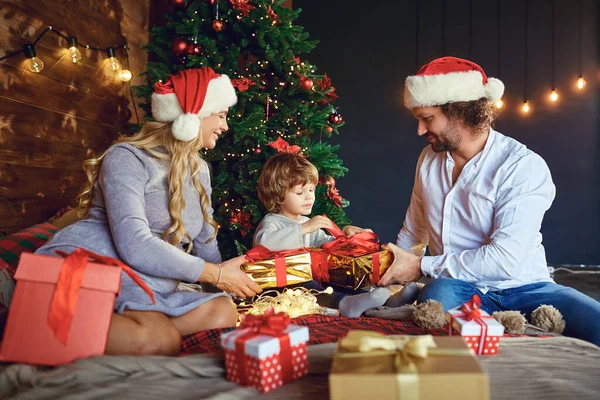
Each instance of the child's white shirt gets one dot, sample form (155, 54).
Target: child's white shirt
(277, 232)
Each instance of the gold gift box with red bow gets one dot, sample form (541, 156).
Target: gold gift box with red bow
(270, 269)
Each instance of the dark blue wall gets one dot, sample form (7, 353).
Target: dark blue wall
(368, 49)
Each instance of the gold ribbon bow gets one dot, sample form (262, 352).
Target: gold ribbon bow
(406, 349)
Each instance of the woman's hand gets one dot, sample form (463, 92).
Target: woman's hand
(233, 280)
(230, 278)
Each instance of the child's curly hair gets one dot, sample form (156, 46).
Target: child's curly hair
(280, 174)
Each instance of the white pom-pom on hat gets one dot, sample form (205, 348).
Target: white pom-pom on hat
(186, 127)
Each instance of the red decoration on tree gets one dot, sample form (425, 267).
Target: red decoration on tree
(284, 147)
(297, 59)
(258, 150)
(271, 13)
(178, 4)
(325, 85)
(242, 84)
(329, 129)
(194, 49)
(306, 83)
(335, 118)
(333, 193)
(242, 220)
(179, 46)
(218, 25)
(242, 5)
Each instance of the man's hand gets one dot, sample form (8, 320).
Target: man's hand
(405, 268)
(316, 223)
(350, 230)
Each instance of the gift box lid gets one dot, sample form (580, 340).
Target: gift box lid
(264, 346)
(473, 328)
(46, 269)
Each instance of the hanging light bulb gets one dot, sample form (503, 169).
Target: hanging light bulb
(553, 95)
(125, 75)
(113, 62)
(33, 63)
(525, 107)
(580, 83)
(73, 50)
(499, 104)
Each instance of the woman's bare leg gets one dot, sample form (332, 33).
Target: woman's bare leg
(219, 312)
(142, 333)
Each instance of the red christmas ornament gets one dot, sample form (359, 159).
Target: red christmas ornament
(329, 129)
(194, 49)
(179, 46)
(258, 150)
(335, 118)
(178, 4)
(306, 83)
(218, 25)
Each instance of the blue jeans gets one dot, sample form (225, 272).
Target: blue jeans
(580, 312)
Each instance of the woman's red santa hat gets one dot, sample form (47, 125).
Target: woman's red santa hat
(190, 95)
(448, 80)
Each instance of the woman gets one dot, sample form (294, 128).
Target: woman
(147, 203)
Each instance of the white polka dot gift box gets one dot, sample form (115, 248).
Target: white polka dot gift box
(265, 351)
(478, 329)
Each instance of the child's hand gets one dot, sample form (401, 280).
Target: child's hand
(350, 230)
(316, 223)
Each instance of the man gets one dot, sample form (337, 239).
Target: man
(478, 202)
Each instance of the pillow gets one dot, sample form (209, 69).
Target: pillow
(27, 240)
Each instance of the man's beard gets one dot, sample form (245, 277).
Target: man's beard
(448, 140)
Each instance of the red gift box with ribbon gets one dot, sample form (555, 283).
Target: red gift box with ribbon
(478, 329)
(62, 307)
(352, 261)
(266, 351)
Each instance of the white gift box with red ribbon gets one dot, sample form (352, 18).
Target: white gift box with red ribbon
(265, 360)
(479, 330)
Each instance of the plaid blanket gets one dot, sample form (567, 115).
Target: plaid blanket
(25, 241)
(322, 329)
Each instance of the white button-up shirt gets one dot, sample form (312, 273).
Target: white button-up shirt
(484, 229)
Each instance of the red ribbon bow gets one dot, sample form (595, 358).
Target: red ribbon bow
(471, 311)
(271, 324)
(64, 299)
(260, 253)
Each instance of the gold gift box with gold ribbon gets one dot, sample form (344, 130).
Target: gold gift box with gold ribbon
(371, 365)
(355, 272)
(264, 272)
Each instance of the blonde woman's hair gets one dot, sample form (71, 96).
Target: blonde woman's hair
(157, 139)
(280, 174)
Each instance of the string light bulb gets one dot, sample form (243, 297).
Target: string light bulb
(73, 50)
(33, 63)
(554, 95)
(499, 104)
(525, 108)
(580, 83)
(113, 62)
(125, 75)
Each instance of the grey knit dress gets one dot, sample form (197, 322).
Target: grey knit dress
(129, 213)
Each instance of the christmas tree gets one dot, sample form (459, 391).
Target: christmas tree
(283, 103)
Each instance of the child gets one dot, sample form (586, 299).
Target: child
(286, 187)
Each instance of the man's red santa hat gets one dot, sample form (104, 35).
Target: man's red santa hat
(190, 95)
(448, 80)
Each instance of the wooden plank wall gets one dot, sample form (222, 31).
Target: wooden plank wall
(50, 122)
